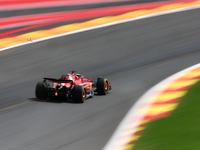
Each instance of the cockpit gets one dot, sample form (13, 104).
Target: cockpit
(66, 77)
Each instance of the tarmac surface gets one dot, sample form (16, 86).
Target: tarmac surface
(133, 56)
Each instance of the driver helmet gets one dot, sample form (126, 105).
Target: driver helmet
(66, 77)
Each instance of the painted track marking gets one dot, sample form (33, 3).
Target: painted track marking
(158, 102)
(8, 43)
(138, 124)
(13, 106)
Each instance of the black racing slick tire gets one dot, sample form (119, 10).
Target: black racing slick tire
(102, 86)
(40, 91)
(78, 94)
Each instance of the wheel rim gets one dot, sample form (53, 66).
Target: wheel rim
(83, 95)
(106, 86)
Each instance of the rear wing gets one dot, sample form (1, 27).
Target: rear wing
(57, 80)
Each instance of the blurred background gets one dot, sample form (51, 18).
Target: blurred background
(133, 56)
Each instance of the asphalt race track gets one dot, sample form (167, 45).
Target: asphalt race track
(133, 56)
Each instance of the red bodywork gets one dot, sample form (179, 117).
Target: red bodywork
(73, 87)
(77, 80)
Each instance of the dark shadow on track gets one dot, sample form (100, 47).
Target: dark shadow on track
(58, 101)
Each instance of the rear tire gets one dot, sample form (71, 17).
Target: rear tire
(78, 94)
(40, 91)
(102, 86)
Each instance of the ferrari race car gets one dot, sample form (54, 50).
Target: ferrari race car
(71, 87)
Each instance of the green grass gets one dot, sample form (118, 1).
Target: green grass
(179, 131)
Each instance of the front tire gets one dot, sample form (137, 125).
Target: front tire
(40, 91)
(78, 94)
(102, 86)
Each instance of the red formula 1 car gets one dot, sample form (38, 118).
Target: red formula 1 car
(71, 87)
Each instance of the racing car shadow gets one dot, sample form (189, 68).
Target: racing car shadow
(56, 101)
(96, 94)
(51, 100)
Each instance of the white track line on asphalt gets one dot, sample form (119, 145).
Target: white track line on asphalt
(137, 105)
(105, 25)
(142, 100)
